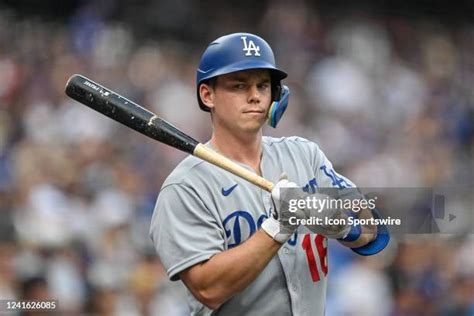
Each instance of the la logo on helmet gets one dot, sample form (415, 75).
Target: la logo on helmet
(249, 47)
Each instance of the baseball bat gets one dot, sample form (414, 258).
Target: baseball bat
(122, 110)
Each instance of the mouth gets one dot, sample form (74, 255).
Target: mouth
(254, 111)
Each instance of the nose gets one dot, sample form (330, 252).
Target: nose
(254, 94)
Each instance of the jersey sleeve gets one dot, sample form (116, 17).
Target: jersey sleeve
(183, 230)
(326, 176)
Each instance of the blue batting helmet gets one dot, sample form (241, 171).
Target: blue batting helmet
(236, 52)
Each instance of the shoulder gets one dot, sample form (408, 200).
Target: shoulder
(292, 143)
(186, 184)
(189, 171)
(196, 176)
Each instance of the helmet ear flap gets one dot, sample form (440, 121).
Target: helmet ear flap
(276, 90)
(278, 106)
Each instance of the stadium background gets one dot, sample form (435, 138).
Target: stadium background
(386, 89)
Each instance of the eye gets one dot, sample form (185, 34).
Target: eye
(264, 86)
(239, 86)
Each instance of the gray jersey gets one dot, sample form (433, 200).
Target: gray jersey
(203, 210)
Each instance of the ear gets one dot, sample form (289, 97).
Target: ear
(206, 93)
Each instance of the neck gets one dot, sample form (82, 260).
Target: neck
(244, 148)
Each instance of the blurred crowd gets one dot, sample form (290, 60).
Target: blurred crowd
(389, 99)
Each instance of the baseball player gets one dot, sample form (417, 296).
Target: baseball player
(224, 237)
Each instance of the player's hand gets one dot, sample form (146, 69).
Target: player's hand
(327, 216)
(277, 225)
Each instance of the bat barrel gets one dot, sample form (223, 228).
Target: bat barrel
(127, 112)
(107, 102)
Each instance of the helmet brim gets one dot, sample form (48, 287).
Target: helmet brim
(241, 66)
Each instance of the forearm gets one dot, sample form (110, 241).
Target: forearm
(225, 274)
(368, 232)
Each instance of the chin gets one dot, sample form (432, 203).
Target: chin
(253, 127)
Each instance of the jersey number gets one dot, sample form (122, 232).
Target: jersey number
(322, 254)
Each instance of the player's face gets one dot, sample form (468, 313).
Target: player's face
(241, 100)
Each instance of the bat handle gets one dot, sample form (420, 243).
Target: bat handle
(217, 159)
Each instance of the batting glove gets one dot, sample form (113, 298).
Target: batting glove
(327, 218)
(277, 225)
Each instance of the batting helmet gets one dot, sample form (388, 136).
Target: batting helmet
(243, 51)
